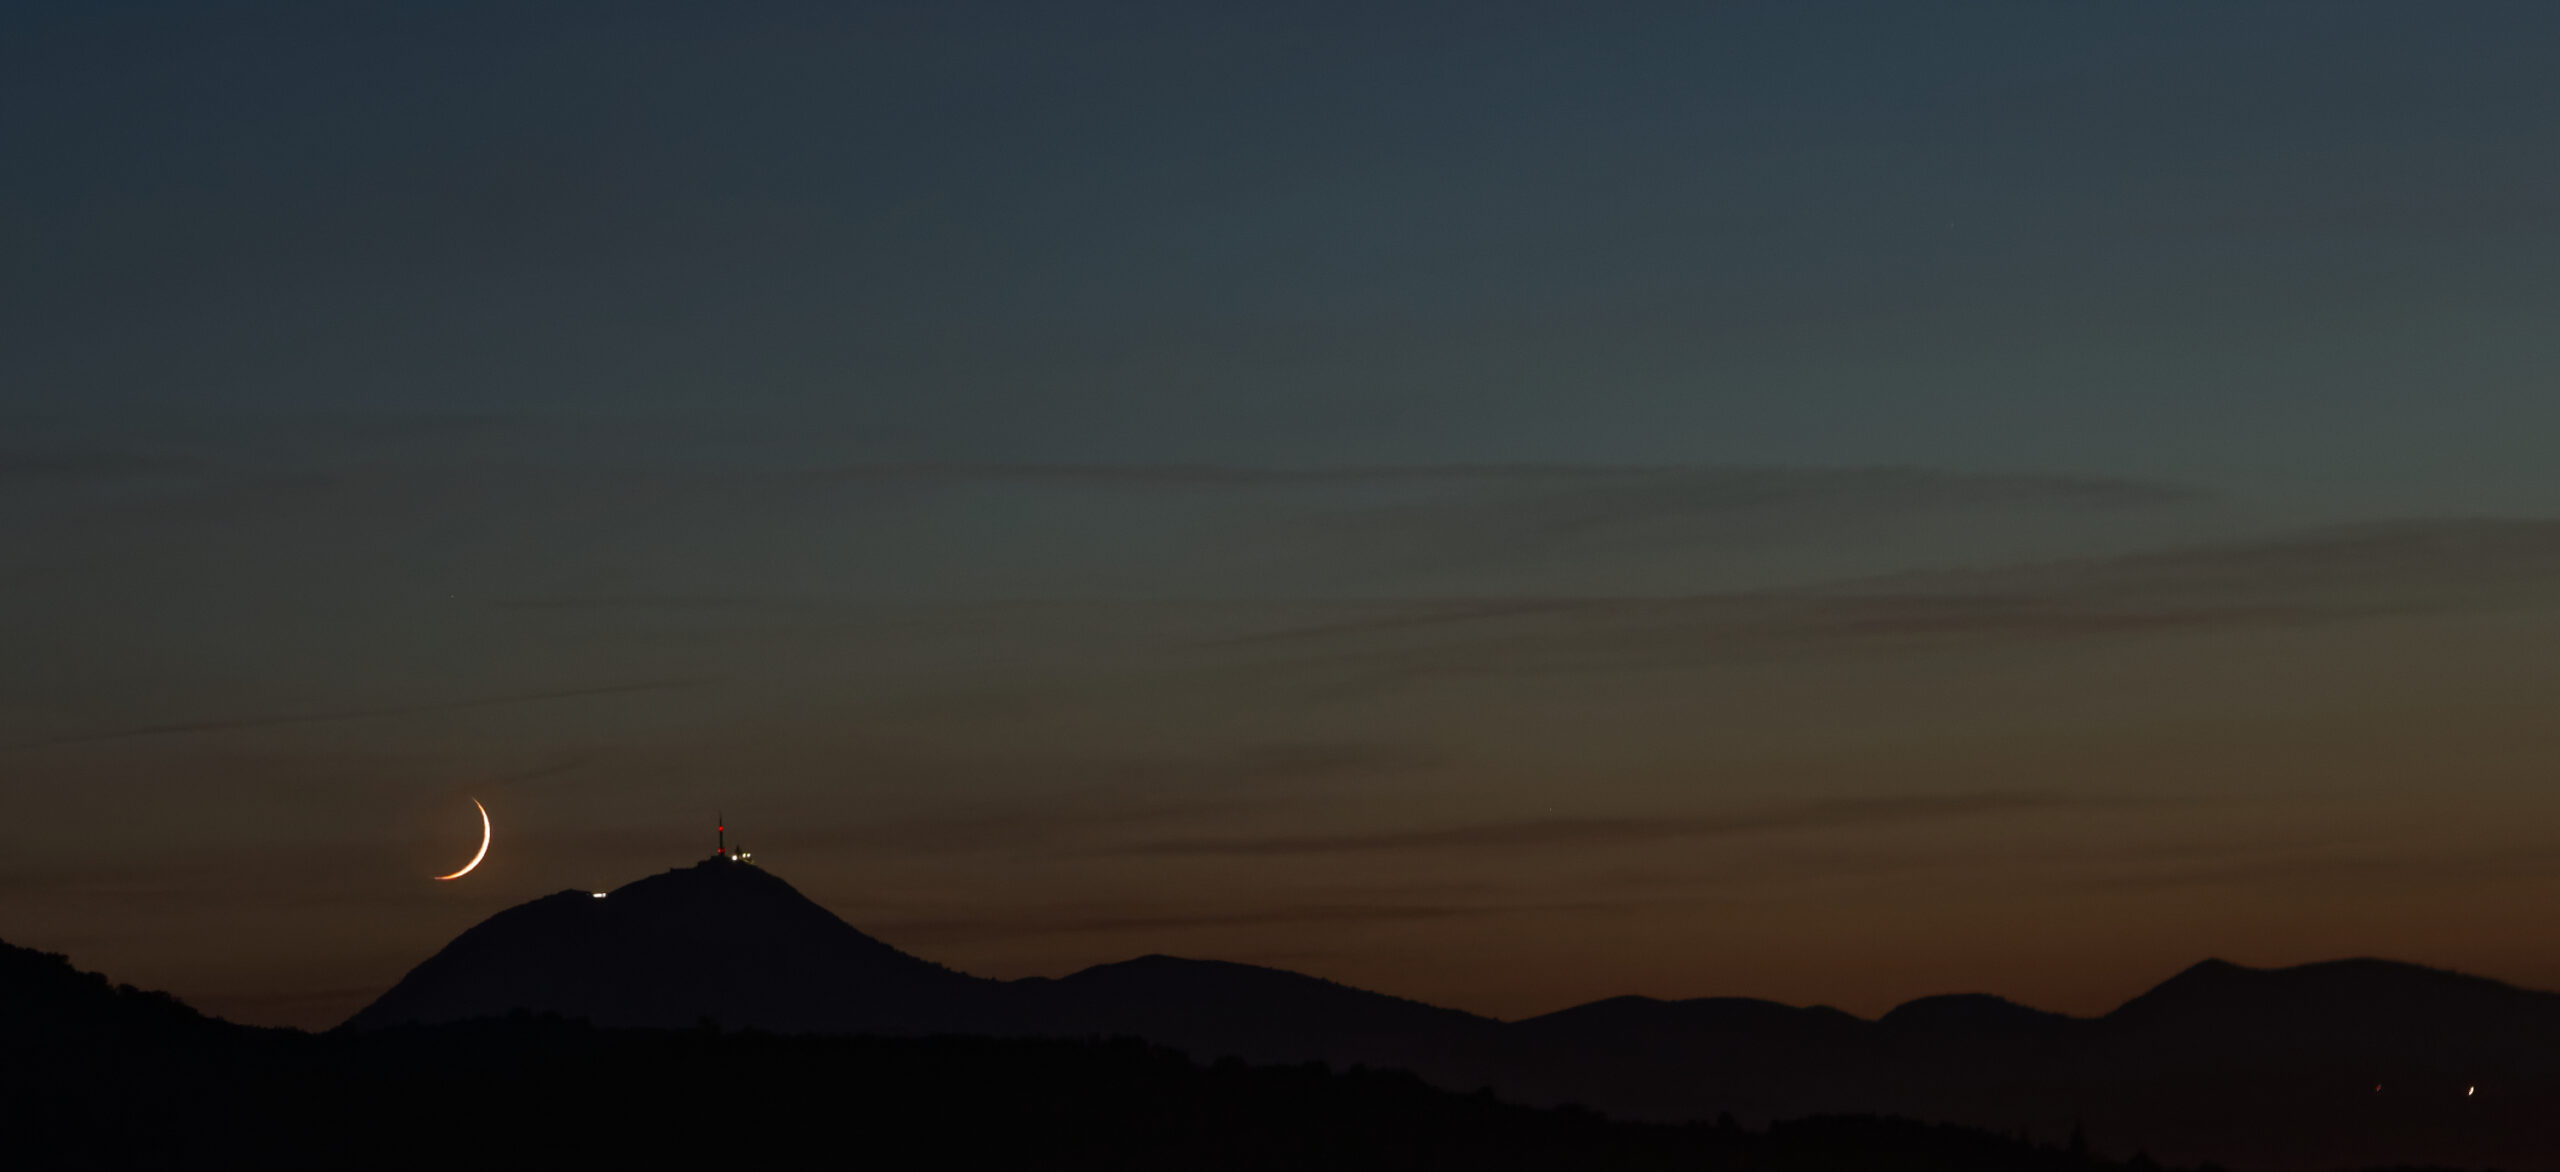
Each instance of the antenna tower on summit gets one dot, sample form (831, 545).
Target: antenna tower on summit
(740, 855)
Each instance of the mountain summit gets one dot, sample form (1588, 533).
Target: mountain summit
(733, 944)
(722, 940)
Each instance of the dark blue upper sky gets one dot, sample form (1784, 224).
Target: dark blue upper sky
(2307, 242)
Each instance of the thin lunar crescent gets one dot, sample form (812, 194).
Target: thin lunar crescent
(484, 845)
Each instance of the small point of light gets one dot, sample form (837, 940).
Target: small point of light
(2470, 1091)
(600, 895)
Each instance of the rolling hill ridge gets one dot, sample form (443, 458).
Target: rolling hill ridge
(2275, 1068)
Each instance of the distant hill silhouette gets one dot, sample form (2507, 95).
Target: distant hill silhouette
(2348, 1011)
(2274, 1067)
(99, 1076)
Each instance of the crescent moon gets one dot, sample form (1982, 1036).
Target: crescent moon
(484, 845)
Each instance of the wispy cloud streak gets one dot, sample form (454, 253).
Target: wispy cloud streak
(1828, 814)
(2311, 577)
(182, 728)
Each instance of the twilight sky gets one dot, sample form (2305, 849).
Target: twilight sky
(1504, 504)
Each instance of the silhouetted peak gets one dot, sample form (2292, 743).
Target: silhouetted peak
(719, 938)
(721, 871)
(1164, 962)
(2212, 968)
(1646, 1017)
(1967, 1013)
(1750, 1007)
(2222, 985)
(1156, 967)
(1179, 980)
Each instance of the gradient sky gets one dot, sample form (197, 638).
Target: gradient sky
(1504, 504)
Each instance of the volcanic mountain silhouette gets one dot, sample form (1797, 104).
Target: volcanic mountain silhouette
(2278, 1068)
(726, 941)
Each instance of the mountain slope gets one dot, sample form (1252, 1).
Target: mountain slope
(1213, 1009)
(720, 940)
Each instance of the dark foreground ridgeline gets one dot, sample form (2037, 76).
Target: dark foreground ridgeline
(93, 1076)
